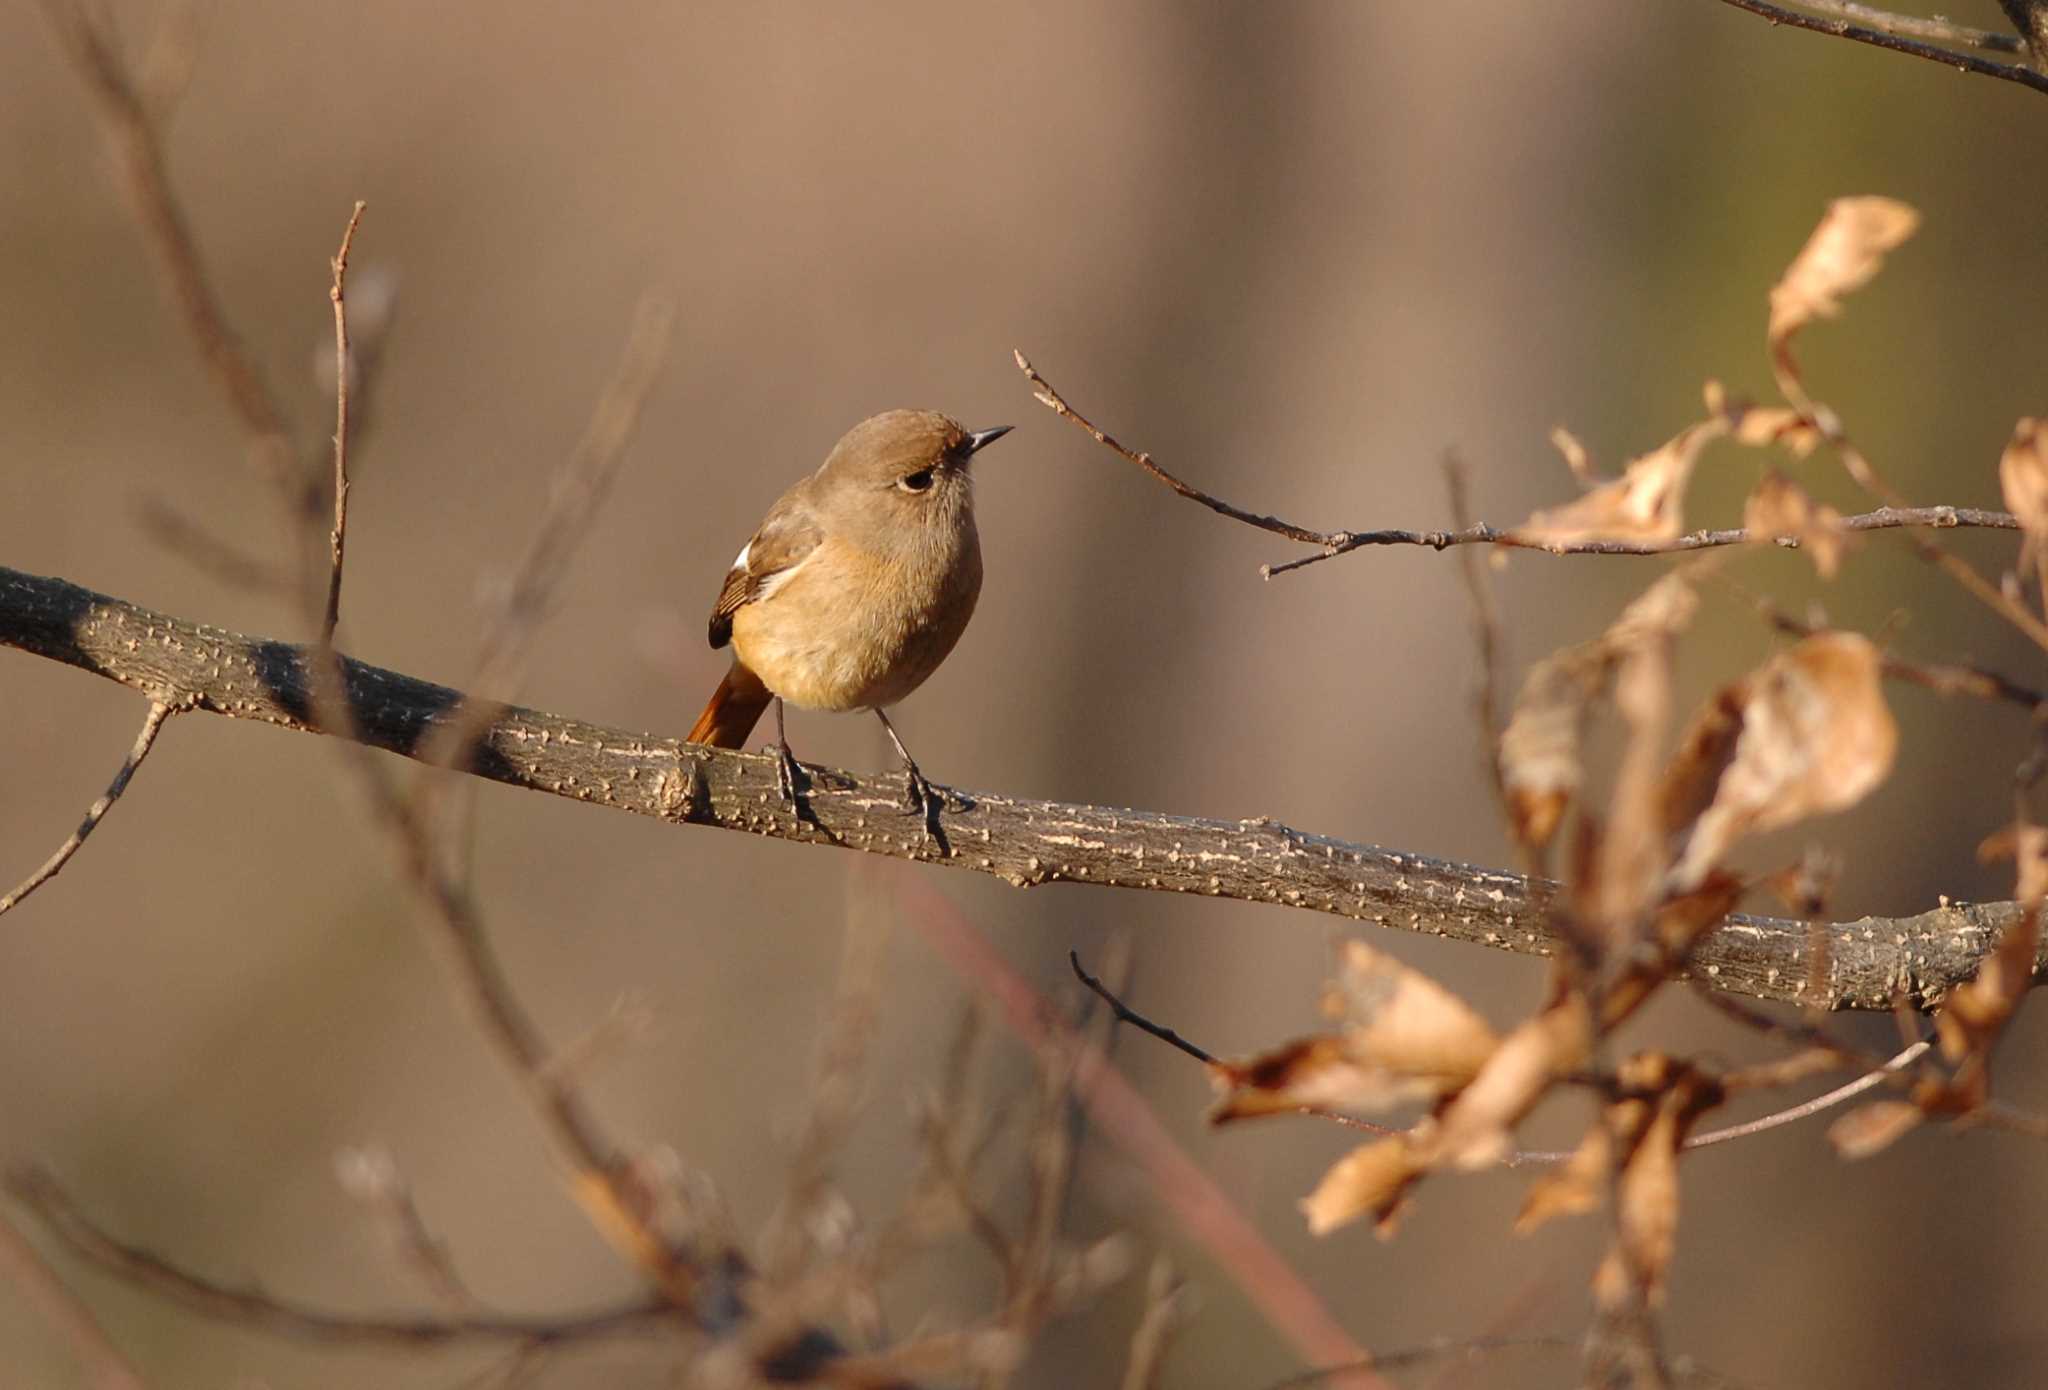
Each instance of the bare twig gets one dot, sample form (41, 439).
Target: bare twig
(1473, 1351)
(1022, 842)
(1197, 1205)
(1053, 401)
(152, 724)
(371, 1176)
(337, 539)
(1844, 29)
(1939, 518)
(1827, 1100)
(101, 1364)
(1335, 543)
(1943, 678)
(1918, 26)
(138, 157)
(193, 542)
(58, 1214)
(1166, 1307)
(1123, 1013)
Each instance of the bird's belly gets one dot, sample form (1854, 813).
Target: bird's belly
(832, 646)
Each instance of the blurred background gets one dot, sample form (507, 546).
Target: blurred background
(1299, 252)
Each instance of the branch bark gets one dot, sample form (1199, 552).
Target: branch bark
(1871, 962)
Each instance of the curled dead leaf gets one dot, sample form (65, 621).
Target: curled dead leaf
(1805, 734)
(1844, 252)
(1872, 1128)
(1406, 1039)
(2023, 478)
(1372, 1179)
(1645, 504)
(1780, 507)
(1476, 1129)
(1539, 757)
(1574, 1187)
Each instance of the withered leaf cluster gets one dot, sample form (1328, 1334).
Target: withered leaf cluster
(1648, 870)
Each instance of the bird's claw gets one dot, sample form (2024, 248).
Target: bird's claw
(925, 801)
(787, 776)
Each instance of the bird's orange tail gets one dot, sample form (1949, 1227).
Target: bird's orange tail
(735, 708)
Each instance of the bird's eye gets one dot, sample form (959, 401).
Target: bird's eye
(915, 482)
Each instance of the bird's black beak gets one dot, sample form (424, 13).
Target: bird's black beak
(981, 439)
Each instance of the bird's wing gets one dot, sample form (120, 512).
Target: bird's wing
(784, 541)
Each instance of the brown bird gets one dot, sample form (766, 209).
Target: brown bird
(856, 586)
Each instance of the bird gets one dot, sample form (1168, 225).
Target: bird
(855, 586)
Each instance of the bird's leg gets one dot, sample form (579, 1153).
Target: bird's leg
(922, 798)
(786, 771)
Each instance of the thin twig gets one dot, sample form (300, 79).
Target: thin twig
(1807, 1108)
(1937, 518)
(371, 1176)
(1124, 1014)
(102, 1365)
(1166, 1307)
(1943, 678)
(193, 542)
(152, 724)
(1335, 543)
(1193, 1200)
(1475, 1350)
(60, 1215)
(1843, 29)
(337, 539)
(1053, 401)
(1919, 27)
(138, 155)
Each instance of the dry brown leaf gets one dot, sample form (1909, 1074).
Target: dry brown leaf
(1780, 507)
(1644, 504)
(1576, 1186)
(1407, 1039)
(1575, 456)
(1631, 858)
(1844, 252)
(1680, 921)
(1372, 1179)
(1871, 1128)
(1539, 750)
(1760, 426)
(1969, 1024)
(2027, 846)
(2023, 477)
(1805, 734)
(1649, 1134)
(1407, 1023)
(1308, 1072)
(1477, 1127)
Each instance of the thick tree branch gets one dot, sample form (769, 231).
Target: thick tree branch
(1871, 962)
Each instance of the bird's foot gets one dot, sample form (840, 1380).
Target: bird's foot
(923, 799)
(789, 778)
